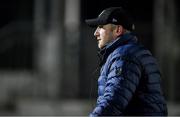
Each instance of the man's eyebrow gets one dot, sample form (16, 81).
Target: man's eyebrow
(100, 26)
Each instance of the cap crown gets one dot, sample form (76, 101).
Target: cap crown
(113, 15)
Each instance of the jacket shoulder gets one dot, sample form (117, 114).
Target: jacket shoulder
(128, 52)
(133, 52)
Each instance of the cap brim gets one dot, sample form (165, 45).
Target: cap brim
(94, 22)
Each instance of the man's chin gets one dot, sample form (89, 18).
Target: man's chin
(100, 46)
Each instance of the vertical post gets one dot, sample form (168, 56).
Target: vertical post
(49, 28)
(166, 42)
(72, 22)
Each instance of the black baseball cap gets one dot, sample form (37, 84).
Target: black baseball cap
(112, 15)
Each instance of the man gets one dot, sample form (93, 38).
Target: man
(129, 81)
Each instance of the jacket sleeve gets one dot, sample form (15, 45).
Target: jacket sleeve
(123, 77)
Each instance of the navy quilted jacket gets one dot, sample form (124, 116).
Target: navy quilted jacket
(129, 82)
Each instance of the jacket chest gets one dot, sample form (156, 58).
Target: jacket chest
(102, 80)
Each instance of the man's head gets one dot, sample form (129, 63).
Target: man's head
(111, 23)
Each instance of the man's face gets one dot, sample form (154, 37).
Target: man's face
(104, 34)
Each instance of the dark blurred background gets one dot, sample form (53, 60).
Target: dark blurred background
(48, 55)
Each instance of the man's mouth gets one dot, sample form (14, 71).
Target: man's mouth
(98, 40)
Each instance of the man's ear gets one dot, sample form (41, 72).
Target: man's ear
(119, 30)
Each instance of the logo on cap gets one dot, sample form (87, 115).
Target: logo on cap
(114, 20)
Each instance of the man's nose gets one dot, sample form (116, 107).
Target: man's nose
(96, 33)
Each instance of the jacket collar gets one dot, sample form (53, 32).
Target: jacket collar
(109, 48)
